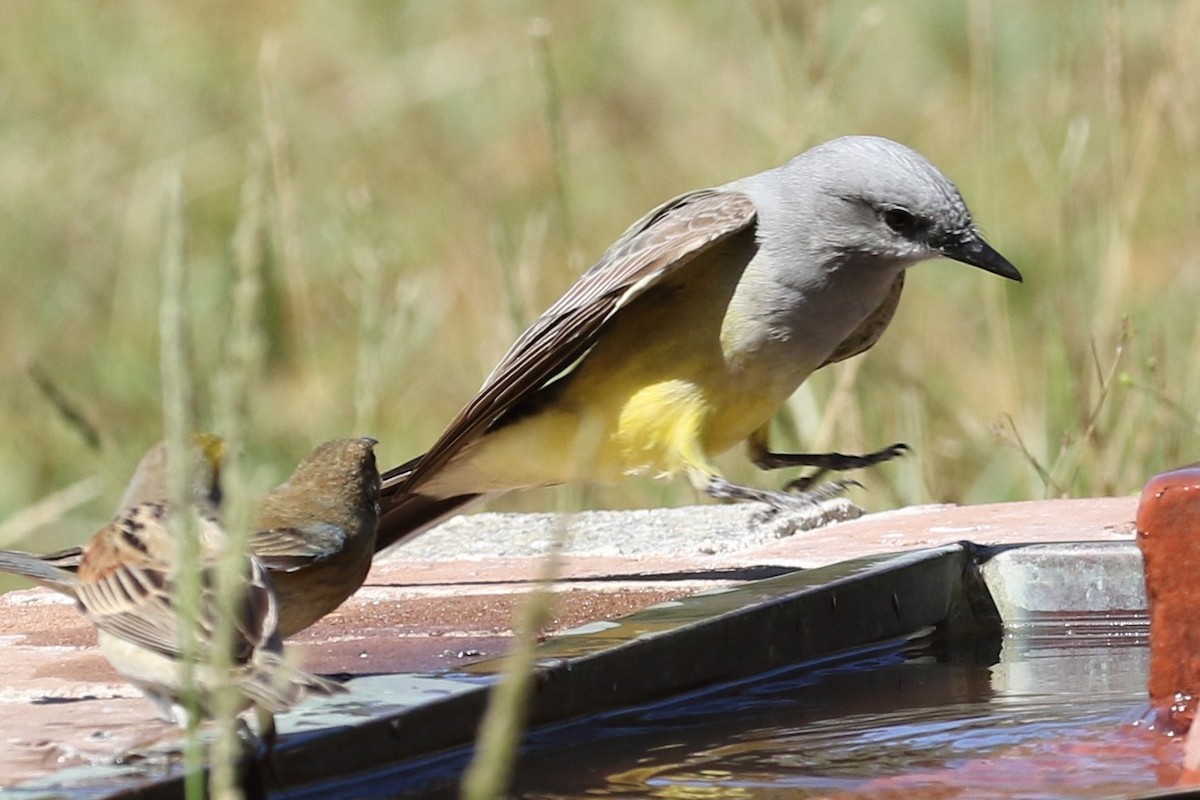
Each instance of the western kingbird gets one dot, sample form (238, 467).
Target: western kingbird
(694, 328)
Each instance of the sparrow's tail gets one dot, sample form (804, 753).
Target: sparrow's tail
(54, 571)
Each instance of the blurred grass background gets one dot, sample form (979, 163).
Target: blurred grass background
(433, 174)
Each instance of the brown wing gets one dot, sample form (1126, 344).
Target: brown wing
(287, 549)
(868, 332)
(659, 244)
(126, 588)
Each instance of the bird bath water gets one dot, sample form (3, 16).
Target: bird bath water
(1048, 707)
(1051, 718)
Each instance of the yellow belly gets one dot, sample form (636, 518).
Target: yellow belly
(666, 388)
(658, 428)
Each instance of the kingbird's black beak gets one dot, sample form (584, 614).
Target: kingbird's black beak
(973, 250)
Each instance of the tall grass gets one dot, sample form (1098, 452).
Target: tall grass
(437, 173)
(178, 422)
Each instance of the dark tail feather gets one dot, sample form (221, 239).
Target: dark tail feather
(406, 515)
(397, 475)
(55, 571)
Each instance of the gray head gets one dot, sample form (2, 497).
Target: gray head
(866, 196)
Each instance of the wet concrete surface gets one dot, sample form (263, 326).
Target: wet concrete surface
(442, 603)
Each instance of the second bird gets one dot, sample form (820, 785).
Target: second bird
(315, 532)
(694, 328)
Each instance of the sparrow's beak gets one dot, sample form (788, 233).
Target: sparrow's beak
(973, 250)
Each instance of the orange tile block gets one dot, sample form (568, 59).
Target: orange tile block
(1168, 533)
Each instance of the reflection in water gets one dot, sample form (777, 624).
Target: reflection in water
(1045, 715)
(1048, 719)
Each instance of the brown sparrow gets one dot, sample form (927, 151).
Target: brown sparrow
(315, 532)
(125, 584)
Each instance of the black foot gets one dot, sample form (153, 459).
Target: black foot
(826, 462)
(255, 770)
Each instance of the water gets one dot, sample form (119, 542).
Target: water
(1051, 719)
(1046, 712)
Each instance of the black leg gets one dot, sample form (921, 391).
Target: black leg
(824, 462)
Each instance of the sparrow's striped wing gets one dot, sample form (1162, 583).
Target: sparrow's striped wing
(127, 588)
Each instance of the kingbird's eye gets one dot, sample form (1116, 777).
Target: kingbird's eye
(901, 221)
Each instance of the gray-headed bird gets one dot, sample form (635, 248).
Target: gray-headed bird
(694, 328)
